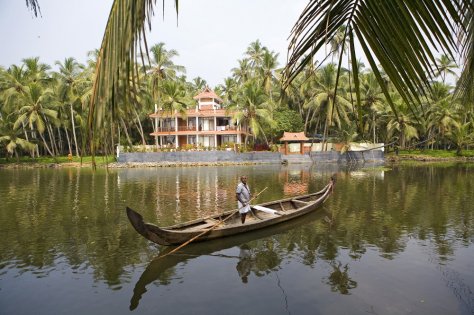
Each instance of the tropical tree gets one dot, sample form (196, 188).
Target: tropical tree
(37, 111)
(175, 97)
(253, 110)
(331, 99)
(13, 139)
(445, 65)
(69, 92)
(243, 72)
(404, 125)
(162, 68)
(266, 71)
(462, 135)
(255, 53)
(36, 71)
(371, 99)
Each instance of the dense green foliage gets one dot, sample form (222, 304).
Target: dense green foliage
(44, 111)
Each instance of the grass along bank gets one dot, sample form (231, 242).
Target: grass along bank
(430, 155)
(58, 161)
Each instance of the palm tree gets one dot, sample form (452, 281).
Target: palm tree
(445, 66)
(175, 97)
(12, 138)
(69, 94)
(253, 109)
(198, 84)
(403, 125)
(267, 71)
(443, 117)
(461, 136)
(162, 67)
(255, 53)
(36, 71)
(339, 43)
(328, 97)
(35, 111)
(243, 73)
(371, 98)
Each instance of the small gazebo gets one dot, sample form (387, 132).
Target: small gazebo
(293, 137)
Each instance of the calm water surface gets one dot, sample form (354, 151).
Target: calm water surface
(389, 241)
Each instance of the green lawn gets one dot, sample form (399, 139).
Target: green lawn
(433, 153)
(100, 160)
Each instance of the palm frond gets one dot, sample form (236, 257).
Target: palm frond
(116, 71)
(402, 35)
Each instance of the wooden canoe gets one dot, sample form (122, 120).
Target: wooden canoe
(228, 223)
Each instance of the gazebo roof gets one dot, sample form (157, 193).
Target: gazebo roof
(293, 136)
(207, 93)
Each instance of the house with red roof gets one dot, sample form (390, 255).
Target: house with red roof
(208, 124)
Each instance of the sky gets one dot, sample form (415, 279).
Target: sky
(209, 35)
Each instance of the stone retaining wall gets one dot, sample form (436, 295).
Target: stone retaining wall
(201, 157)
(255, 157)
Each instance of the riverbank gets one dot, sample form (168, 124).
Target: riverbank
(110, 162)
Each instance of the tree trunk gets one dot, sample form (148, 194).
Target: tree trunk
(60, 141)
(124, 126)
(373, 124)
(140, 129)
(68, 141)
(323, 144)
(74, 131)
(46, 145)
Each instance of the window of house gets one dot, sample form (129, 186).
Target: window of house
(192, 140)
(229, 138)
(206, 124)
(207, 141)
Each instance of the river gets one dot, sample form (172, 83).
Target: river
(390, 240)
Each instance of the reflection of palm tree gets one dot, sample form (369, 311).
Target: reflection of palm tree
(339, 280)
(263, 257)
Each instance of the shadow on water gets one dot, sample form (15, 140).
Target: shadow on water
(258, 259)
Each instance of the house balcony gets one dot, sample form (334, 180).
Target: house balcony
(192, 130)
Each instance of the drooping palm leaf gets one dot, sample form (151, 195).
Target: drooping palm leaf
(402, 35)
(33, 5)
(465, 87)
(116, 66)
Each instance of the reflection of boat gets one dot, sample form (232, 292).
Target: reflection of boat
(162, 270)
(228, 223)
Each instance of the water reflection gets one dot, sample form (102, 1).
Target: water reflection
(258, 253)
(419, 219)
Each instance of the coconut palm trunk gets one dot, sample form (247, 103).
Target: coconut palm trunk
(74, 131)
(124, 126)
(68, 141)
(46, 145)
(140, 128)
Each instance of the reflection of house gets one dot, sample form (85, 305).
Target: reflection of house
(295, 182)
(207, 125)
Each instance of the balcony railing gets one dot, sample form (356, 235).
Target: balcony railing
(193, 128)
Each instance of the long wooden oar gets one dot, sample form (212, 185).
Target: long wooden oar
(209, 229)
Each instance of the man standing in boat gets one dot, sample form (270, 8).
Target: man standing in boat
(243, 197)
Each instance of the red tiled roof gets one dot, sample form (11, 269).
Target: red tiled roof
(293, 136)
(207, 93)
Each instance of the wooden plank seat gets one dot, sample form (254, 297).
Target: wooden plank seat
(299, 203)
